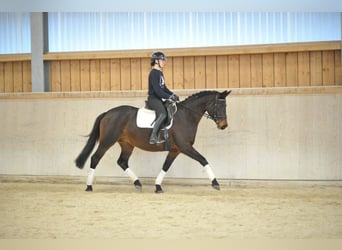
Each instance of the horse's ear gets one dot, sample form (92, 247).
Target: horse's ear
(225, 93)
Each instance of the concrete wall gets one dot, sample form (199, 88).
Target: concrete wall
(271, 136)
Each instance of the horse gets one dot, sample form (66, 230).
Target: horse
(119, 125)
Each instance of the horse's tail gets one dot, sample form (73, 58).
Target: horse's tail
(93, 137)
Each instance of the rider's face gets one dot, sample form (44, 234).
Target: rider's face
(162, 63)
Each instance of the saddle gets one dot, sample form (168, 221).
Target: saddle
(146, 118)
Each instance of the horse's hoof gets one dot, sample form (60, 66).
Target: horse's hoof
(159, 190)
(138, 185)
(89, 188)
(215, 184)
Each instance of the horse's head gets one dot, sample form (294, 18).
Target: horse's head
(217, 109)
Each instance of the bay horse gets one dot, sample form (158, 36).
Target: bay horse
(119, 125)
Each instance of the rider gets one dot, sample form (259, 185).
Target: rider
(158, 92)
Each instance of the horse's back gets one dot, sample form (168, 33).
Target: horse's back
(121, 112)
(123, 109)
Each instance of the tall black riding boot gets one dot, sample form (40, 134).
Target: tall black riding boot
(156, 128)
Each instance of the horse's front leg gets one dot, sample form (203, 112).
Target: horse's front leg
(167, 164)
(192, 153)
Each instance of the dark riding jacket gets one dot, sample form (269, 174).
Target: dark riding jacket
(156, 85)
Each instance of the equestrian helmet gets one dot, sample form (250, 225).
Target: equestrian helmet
(157, 56)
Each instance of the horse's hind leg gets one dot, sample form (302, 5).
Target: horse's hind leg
(95, 158)
(126, 151)
(107, 139)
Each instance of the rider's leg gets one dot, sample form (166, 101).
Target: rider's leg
(155, 131)
(161, 114)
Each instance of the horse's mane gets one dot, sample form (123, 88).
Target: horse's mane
(199, 94)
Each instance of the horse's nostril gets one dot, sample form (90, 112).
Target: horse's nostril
(222, 125)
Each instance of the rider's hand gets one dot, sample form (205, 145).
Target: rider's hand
(174, 98)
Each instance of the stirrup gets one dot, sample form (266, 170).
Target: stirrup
(160, 140)
(156, 140)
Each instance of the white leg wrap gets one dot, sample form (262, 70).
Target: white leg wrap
(160, 177)
(210, 172)
(90, 178)
(131, 175)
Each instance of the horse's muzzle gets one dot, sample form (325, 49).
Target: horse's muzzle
(222, 124)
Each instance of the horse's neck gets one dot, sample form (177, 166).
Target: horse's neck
(197, 107)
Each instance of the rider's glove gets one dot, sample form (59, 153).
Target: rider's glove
(174, 98)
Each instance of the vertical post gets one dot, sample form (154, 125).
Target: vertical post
(39, 45)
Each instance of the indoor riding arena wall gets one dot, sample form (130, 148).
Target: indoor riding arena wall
(281, 133)
(284, 113)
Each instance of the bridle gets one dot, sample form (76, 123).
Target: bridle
(215, 117)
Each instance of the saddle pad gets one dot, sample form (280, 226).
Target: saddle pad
(146, 117)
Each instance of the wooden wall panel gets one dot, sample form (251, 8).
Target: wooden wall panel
(178, 73)
(65, 76)
(85, 75)
(168, 72)
(115, 81)
(234, 71)
(95, 75)
(2, 77)
(291, 69)
(125, 71)
(17, 77)
(279, 70)
(338, 69)
(189, 72)
(304, 68)
(328, 67)
(316, 68)
(55, 76)
(9, 82)
(268, 70)
(75, 75)
(199, 72)
(285, 65)
(202, 72)
(256, 71)
(145, 71)
(210, 72)
(27, 83)
(136, 74)
(105, 74)
(222, 72)
(245, 71)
